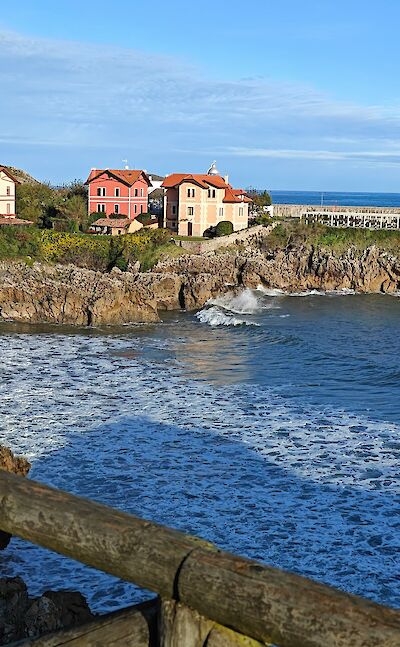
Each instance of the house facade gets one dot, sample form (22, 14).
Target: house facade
(115, 191)
(7, 193)
(195, 202)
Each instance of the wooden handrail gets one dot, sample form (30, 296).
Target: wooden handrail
(263, 603)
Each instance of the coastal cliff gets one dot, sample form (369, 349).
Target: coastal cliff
(66, 294)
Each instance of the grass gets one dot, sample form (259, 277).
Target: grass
(292, 233)
(194, 238)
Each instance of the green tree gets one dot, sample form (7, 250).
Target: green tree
(224, 228)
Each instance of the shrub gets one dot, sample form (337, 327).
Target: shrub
(224, 228)
(144, 218)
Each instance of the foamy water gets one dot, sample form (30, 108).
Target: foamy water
(279, 440)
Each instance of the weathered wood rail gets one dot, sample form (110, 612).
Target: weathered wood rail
(208, 597)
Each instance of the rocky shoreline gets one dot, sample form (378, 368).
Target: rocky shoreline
(65, 294)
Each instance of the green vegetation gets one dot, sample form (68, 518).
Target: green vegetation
(260, 198)
(190, 238)
(144, 218)
(224, 228)
(295, 232)
(62, 209)
(95, 252)
(264, 219)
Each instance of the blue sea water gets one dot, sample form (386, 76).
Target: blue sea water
(330, 198)
(267, 423)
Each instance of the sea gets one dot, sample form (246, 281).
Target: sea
(267, 423)
(330, 198)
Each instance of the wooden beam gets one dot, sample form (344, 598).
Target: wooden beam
(132, 549)
(263, 603)
(132, 627)
(279, 607)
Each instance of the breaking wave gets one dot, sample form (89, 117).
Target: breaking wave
(224, 310)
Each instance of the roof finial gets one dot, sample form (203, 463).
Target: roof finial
(213, 169)
(126, 165)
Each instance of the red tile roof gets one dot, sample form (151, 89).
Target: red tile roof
(126, 176)
(7, 172)
(203, 180)
(231, 195)
(112, 222)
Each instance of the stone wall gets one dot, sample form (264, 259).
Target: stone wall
(202, 246)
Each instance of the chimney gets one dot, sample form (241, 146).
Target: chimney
(226, 179)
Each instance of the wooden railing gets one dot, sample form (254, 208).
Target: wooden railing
(208, 597)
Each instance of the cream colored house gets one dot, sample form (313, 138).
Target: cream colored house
(194, 203)
(7, 192)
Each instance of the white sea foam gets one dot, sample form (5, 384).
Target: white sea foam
(244, 302)
(215, 316)
(277, 292)
(223, 310)
(270, 478)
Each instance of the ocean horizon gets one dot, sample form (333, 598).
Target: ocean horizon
(336, 198)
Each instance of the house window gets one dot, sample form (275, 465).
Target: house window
(101, 191)
(141, 208)
(8, 190)
(240, 211)
(116, 208)
(190, 211)
(136, 193)
(141, 193)
(135, 207)
(8, 208)
(190, 193)
(211, 193)
(174, 210)
(221, 212)
(117, 192)
(101, 208)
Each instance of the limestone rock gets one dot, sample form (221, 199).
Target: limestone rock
(70, 295)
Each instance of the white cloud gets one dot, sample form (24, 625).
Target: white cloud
(75, 94)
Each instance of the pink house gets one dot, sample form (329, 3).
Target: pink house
(114, 191)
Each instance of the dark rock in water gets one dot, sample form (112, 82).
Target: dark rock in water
(16, 465)
(24, 617)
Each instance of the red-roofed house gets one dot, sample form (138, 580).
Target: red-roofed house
(7, 192)
(123, 192)
(195, 202)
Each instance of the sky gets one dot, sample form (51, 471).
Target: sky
(283, 95)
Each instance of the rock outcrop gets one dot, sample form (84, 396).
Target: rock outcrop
(16, 465)
(66, 294)
(25, 617)
(305, 268)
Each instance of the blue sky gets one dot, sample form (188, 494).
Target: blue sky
(284, 95)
